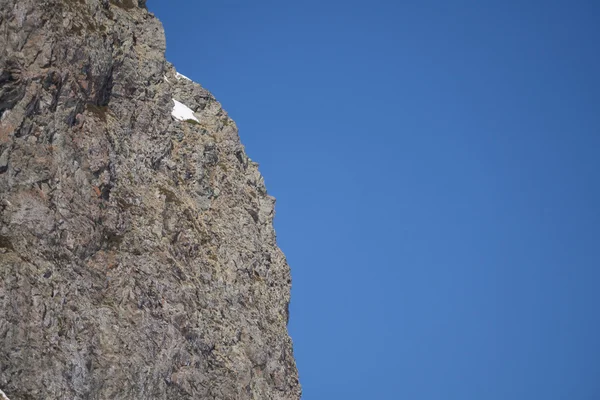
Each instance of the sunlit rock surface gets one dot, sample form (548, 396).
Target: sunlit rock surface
(137, 253)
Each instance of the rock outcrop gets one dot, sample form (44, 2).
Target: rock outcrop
(137, 253)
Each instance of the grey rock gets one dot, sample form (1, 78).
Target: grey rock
(138, 258)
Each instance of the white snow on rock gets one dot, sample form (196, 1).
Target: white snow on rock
(182, 112)
(179, 76)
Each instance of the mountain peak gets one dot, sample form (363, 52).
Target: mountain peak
(138, 258)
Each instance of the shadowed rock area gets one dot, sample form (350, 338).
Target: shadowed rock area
(138, 258)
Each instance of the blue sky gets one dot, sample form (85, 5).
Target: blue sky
(436, 166)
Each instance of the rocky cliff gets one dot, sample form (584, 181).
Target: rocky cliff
(137, 253)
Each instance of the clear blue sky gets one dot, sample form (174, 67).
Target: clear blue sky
(437, 170)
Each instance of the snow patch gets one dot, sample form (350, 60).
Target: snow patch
(180, 76)
(181, 112)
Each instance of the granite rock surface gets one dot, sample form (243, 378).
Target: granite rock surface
(138, 258)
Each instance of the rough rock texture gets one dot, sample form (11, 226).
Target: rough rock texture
(137, 253)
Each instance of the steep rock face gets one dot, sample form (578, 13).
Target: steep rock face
(137, 253)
